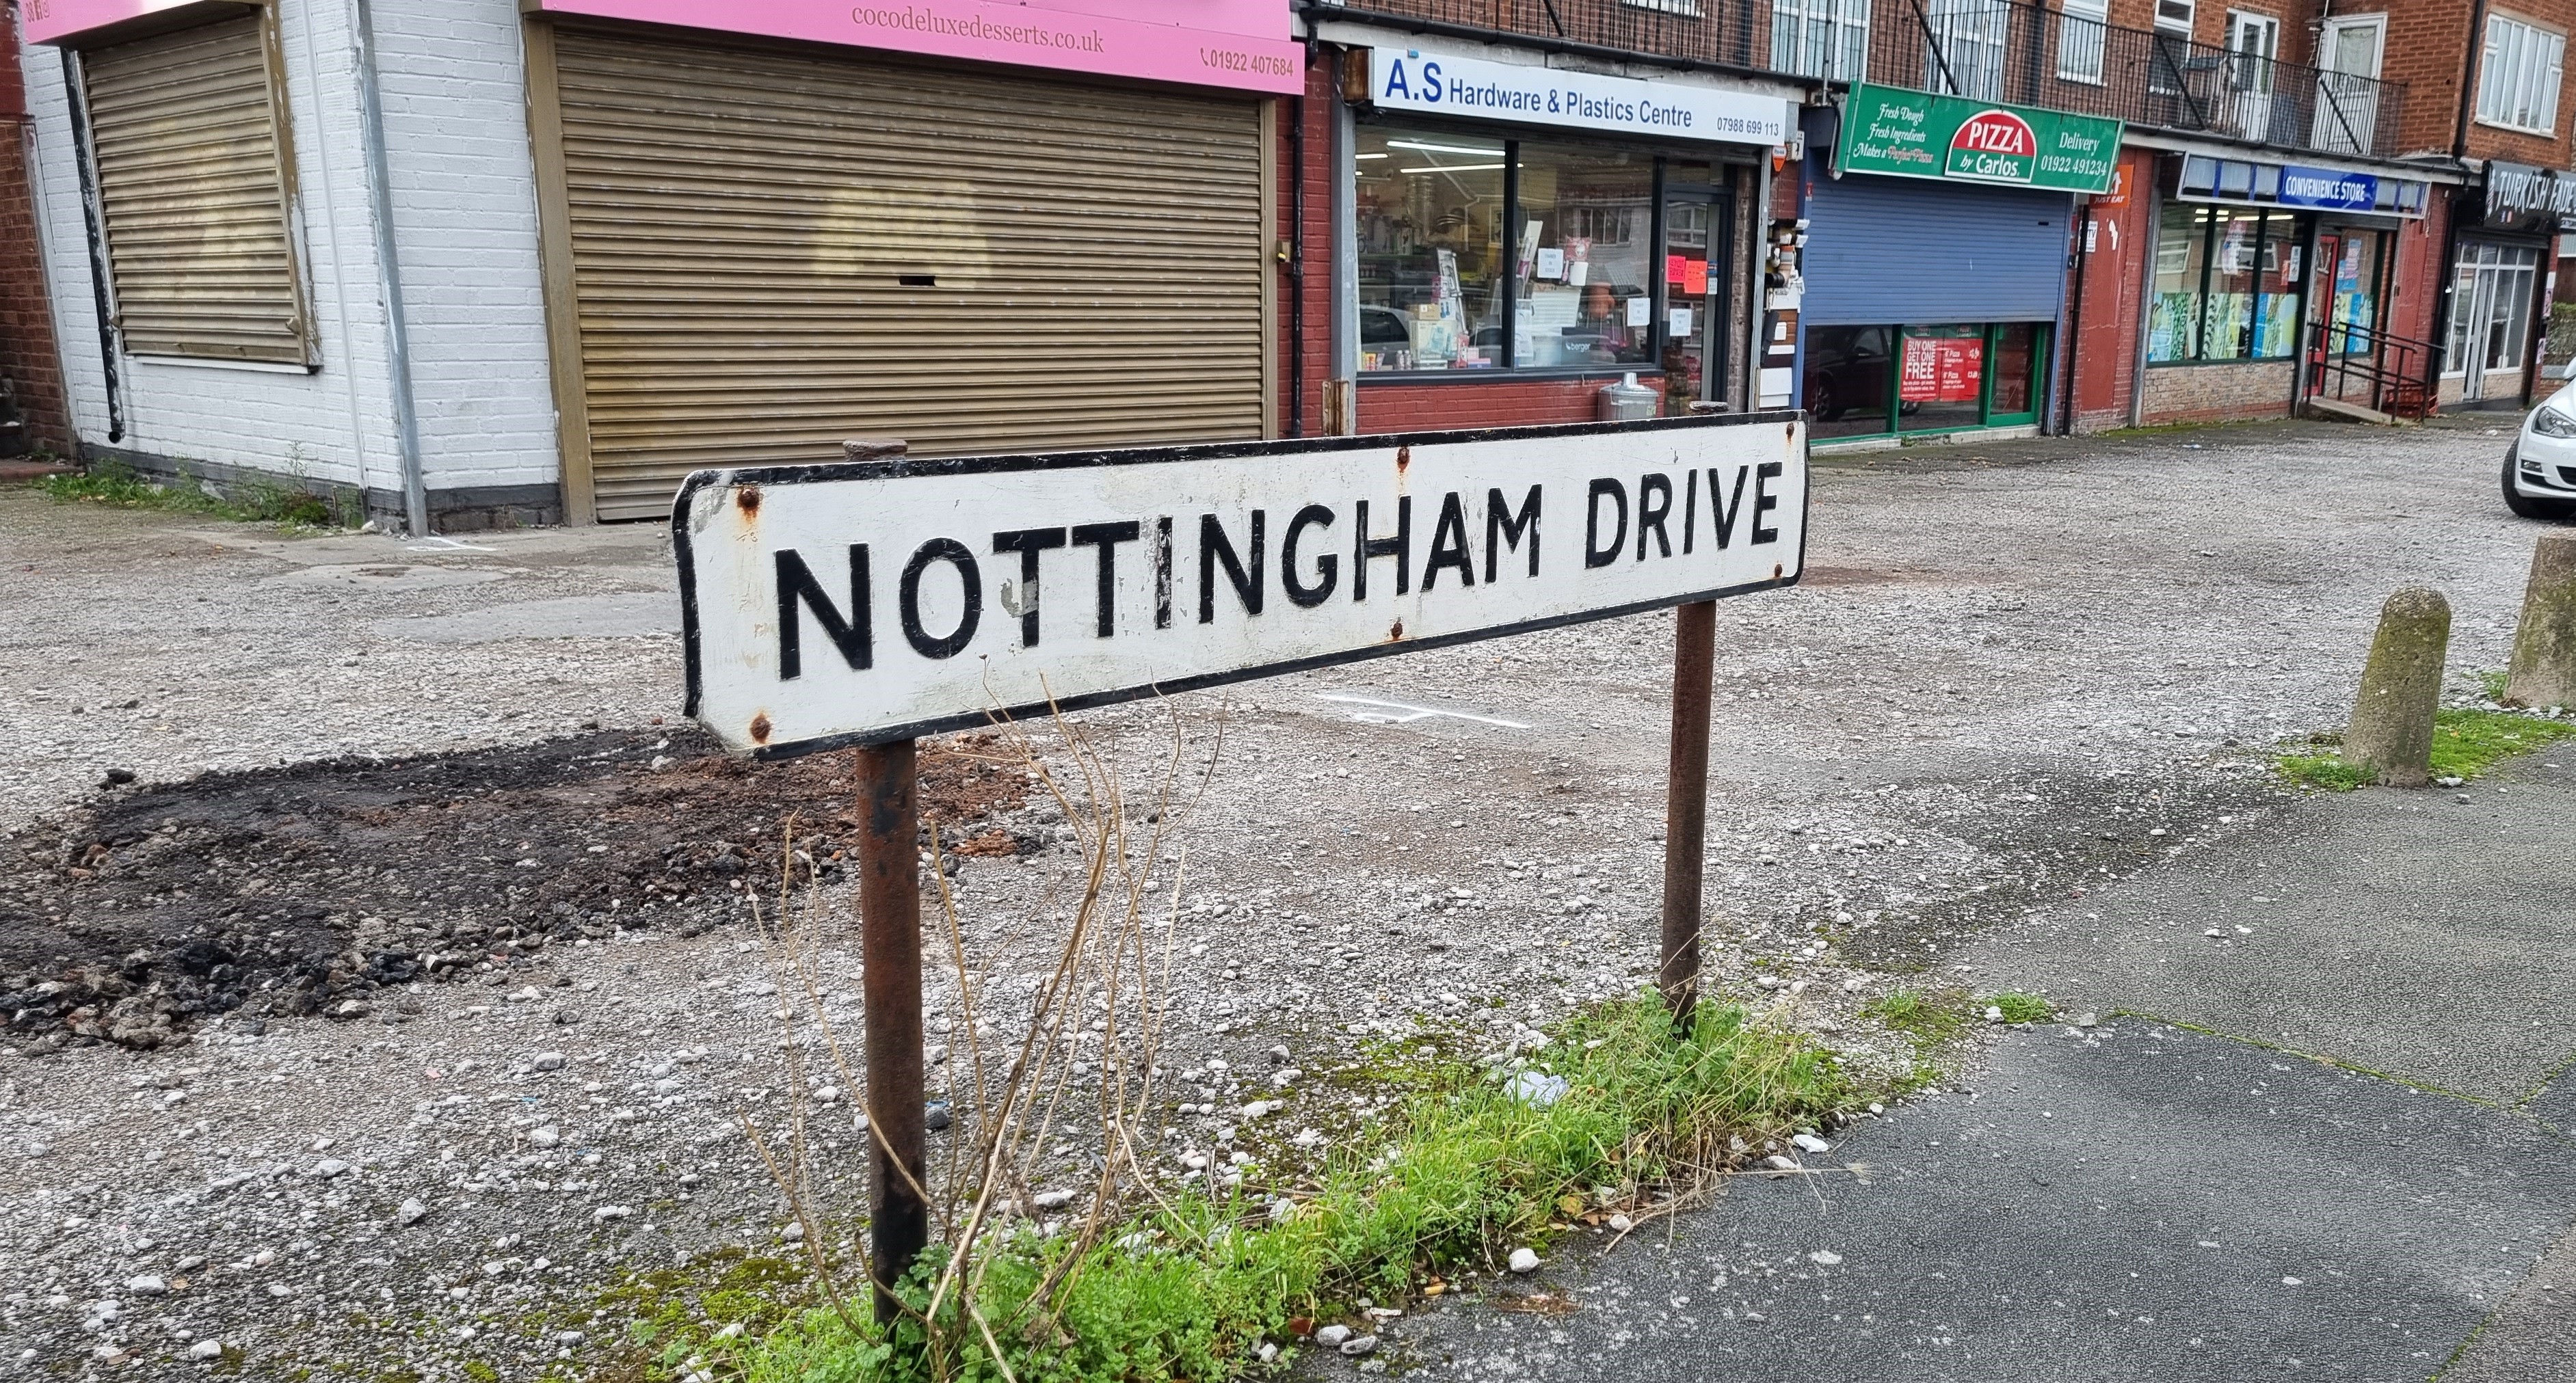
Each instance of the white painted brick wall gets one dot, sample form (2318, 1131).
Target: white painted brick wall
(465, 228)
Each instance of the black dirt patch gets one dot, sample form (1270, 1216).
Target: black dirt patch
(304, 889)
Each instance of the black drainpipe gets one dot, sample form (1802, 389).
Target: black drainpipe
(1297, 254)
(79, 108)
(2072, 345)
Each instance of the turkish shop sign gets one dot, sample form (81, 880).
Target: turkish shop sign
(874, 601)
(1450, 84)
(1914, 134)
(2522, 197)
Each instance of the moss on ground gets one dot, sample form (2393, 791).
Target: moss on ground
(2466, 743)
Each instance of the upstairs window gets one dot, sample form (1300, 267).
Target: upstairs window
(2080, 40)
(2518, 76)
(1821, 38)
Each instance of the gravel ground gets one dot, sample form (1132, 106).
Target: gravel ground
(2011, 672)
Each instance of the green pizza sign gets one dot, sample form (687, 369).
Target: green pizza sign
(1913, 134)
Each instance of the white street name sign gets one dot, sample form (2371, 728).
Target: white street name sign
(871, 601)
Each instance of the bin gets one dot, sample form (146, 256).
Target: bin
(1625, 401)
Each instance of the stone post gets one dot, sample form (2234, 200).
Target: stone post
(2392, 720)
(2544, 648)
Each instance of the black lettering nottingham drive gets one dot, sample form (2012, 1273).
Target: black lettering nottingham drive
(1764, 501)
(1503, 530)
(1107, 537)
(1654, 505)
(1722, 515)
(796, 584)
(1216, 549)
(1327, 565)
(1595, 552)
(908, 598)
(1449, 548)
(1399, 547)
(1028, 542)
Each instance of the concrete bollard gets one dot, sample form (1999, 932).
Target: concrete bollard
(2544, 648)
(2392, 720)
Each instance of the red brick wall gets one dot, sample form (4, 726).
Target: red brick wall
(1477, 403)
(2106, 338)
(2219, 393)
(27, 353)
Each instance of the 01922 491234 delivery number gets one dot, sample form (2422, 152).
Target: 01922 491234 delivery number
(1235, 60)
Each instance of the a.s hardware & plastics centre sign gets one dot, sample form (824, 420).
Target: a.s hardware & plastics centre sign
(1914, 134)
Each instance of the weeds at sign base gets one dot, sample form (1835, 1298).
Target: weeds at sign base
(1193, 1286)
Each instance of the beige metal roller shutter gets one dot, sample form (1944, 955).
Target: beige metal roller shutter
(773, 251)
(191, 183)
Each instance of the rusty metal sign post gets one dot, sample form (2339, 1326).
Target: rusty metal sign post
(867, 603)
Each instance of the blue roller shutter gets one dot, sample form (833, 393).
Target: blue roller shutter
(1888, 250)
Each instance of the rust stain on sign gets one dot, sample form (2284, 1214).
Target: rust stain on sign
(1395, 631)
(747, 499)
(760, 728)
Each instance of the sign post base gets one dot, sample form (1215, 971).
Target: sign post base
(1686, 806)
(890, 948)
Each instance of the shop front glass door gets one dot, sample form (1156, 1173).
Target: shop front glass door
(2491, 313)
(1697, 230)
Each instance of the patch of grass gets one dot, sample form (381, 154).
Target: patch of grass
(2491, 683)
(1931, 1018)
(2018, 1007)
(254, 499)
(2326, 772)
(2466, 743)
(1461, 1172)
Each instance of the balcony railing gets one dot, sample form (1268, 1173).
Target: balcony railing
(1987, 50)
(1994, 50)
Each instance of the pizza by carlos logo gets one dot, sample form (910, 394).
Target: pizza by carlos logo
(1994, 146)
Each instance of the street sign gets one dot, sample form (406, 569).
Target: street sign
(875, 601)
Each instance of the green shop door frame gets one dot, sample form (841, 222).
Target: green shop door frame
(1891, 417)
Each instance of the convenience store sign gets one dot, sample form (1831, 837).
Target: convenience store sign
(1913, 134)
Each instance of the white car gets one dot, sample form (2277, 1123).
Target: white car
(2540, 466)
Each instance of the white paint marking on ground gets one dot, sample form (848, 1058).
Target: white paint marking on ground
(435, 543)
(1387, 712)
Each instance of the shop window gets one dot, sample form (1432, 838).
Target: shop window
(189, 142)
(1584, 292)
(2518, 76)
(1875, 380)
(2227, 285)
(1430, 213)
(1479, 253)
(1849, 391)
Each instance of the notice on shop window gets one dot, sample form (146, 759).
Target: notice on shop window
(1942, 369)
